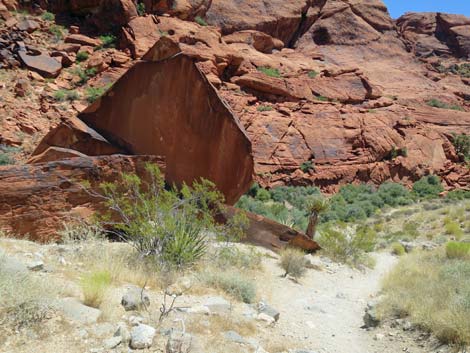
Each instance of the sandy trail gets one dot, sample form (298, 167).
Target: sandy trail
(324, 312)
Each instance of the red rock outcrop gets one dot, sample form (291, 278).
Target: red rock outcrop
(169, 108)
(36, 199)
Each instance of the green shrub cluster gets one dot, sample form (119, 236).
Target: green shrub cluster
(269, 71)
(165, 224)
(461, 144)
(349, 246)
(6, 153)
(457, 250)
(436, 103)
(289, 204)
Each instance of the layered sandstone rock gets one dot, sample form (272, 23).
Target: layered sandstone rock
(35, 200)
(169, 108)
(436, 33)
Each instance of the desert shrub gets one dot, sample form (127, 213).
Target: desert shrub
(25, 301)
(166, 224)
(80, 232)
(348, 246)
(232, 283)
(398, 249)
(428, 187)
(63, 95)
(264, 108)
(322, 98)
(109, 40)
(312, 74)
(410, 228)
(231, 256)
(200, 21)
(93, 93)
(307, 166)
(82, 56)
(453, 228)
(6, 153)
(141, 8)
(48, 16)
(84, 75)
(433, 291)
(269, 71)
(57, 31)
(457, 250)
(436, 103)
(94, 286)
(293, 262)
(458, 195)
(263, 195)
(461, 144)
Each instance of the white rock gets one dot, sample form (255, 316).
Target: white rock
(123, 332)
(217, 305)
(266, 318)
(76, 311)
(135, 298)
(379, 337)
(112, 342)
(142, 336)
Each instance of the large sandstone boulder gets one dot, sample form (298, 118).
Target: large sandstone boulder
(76, 135)
(36, 199)
(169, 108)
(436, 33)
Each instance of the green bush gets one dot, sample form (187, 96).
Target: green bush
(84, 75)
(457, 250)
(312, 74)
(462, 145)
(82, 56)
(269, 71)
(453, 228)
(93, 93)
(200, 21)
(167, 225)
(307, 166)
(264, 108)
(63, 95)
(428, 187)
(48, 16)
(458, 195)
(293, 262)
(109, 40)
(6, 154)
(348, 246)
(141, 8)
(398, 249)
(263, 195)
(94, 286)
(439, 104)
(57, 31)
(410, 228)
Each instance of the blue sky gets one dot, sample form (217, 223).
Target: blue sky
(399, 7)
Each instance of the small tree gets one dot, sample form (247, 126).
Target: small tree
(317, 206)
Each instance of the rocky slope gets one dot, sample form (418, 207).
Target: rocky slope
(327, 92)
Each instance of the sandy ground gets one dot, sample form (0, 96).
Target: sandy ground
(321, 314)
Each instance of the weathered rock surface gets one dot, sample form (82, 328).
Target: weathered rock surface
(35, 200)
(168, 108)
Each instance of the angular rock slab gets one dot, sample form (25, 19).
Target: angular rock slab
(169, 108)
(35, 200)
(43, 64)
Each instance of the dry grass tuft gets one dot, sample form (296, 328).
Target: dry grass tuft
(434, 292)
(25, 300)
(94, 286)
(293, 262)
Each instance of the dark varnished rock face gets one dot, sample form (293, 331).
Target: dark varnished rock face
(169, 108)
